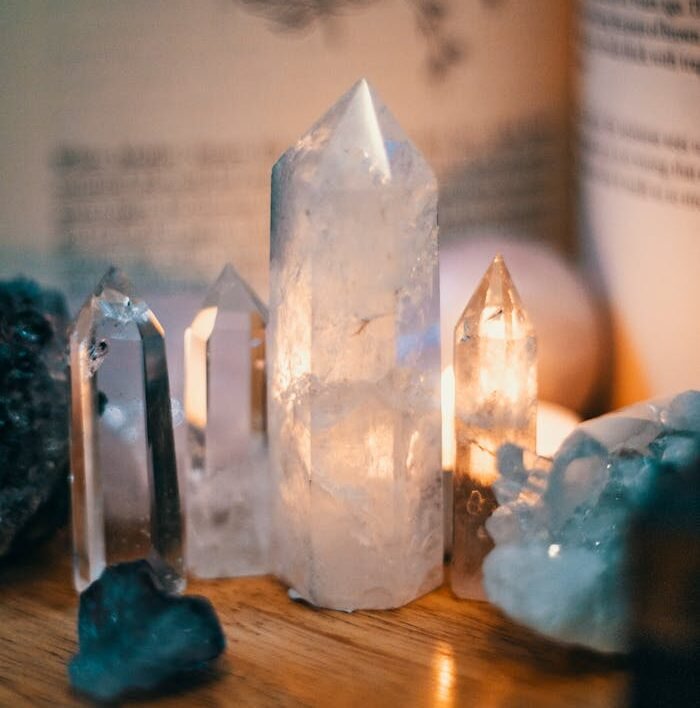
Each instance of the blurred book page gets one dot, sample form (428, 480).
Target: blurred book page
(639, 128)
(144, 133)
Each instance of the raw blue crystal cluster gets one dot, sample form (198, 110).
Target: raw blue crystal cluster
(561, 533)
(33, 414)
(135, 638)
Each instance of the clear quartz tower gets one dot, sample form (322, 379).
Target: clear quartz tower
(228, 486)
(355, 362)
(125, 498)
(495, 365)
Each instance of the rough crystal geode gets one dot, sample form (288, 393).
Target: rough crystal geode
(33, 414)
(559, 564)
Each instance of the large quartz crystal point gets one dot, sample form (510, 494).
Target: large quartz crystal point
(125, 497)
(495, 363)
(355, 362)
(228, 487)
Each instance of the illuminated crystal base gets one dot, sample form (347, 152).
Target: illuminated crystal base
(471, 542)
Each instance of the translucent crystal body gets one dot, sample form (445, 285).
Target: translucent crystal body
(495, 363)
(228, 486)
(355, 363)
(125, 498)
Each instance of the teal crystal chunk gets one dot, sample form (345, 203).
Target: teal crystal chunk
(134, 637)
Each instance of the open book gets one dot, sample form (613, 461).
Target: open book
(146, 137)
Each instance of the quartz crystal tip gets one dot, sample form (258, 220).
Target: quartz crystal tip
(357, 143)
(359, 124)
(231, 292)
(114, 279)
(495, 309)
(114, 298)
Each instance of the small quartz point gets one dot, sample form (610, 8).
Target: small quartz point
(355, 362)
(125, 498)
(495, 362)
(228, 485)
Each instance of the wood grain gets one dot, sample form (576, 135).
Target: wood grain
(437, 651)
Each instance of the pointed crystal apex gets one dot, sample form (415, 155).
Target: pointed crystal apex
(114, 279)
(495, 309)
(358, 131)
(230, 292)
(114, 298)
(356, 139)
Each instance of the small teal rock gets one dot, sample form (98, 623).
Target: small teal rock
(134, 637)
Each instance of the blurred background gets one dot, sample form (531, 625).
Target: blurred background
(143, 134)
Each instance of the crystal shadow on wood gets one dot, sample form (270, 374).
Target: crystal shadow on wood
(228, 486)
(125, 497)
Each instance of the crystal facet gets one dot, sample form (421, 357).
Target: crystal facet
(355, 362)
(125, 497)
(228, 486)
(495, 362)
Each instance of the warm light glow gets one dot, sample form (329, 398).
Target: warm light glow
(379, 444)
(448, 418)
(494, 325)
(444, 670)
(554, 423)
(503, 383)
(482, 463)
(196, 338)
(553, 550)
(203, 324)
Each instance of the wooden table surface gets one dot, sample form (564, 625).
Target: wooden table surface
(437, 651)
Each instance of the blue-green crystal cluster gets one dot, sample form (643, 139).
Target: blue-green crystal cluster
(134, 637)
(33, 414)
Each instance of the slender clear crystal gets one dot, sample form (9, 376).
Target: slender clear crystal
(495, 364)
(228, 486)
(125, 499)
(355, 362)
